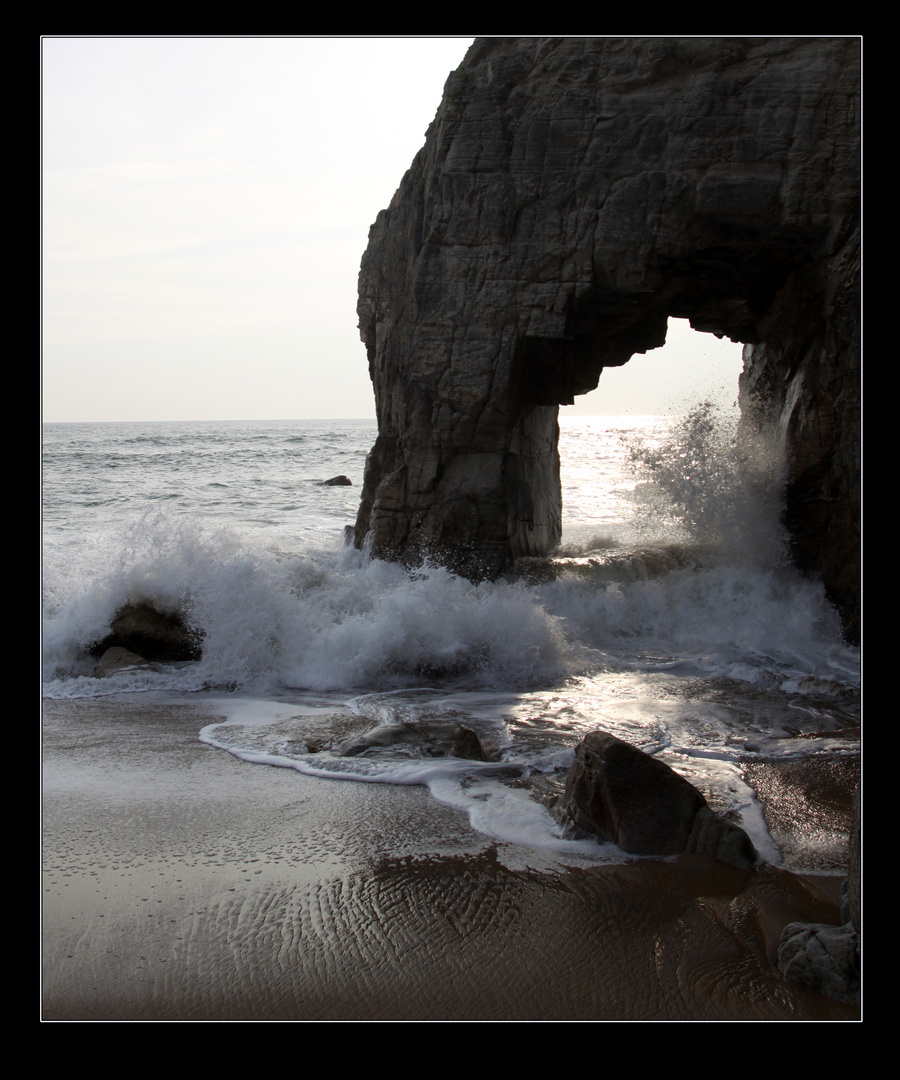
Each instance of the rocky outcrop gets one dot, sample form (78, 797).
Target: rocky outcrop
(572, 194)
(637, 802)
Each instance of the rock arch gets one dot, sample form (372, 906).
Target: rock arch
(573, 193)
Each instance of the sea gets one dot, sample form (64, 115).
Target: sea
(670, 616)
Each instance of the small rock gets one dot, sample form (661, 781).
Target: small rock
(466, 744)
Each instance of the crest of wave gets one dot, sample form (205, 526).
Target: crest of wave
(368, 623)
(327, 621)
(318, 620)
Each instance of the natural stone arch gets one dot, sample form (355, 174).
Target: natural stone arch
(571, 195)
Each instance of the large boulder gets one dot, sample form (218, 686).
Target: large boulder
(637, 802)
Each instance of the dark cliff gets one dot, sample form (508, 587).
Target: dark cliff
(571, 195)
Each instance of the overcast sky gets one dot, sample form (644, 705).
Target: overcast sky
(206, 205)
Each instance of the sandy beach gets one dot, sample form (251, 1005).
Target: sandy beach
(183, 884)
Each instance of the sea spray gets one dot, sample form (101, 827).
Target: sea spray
(316, 620)
(712, 484)
(697, 571)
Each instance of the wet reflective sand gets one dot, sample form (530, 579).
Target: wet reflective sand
(181, 883)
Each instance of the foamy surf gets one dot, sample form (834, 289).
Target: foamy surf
(670, 617)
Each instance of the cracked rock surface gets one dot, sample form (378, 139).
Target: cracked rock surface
(571, 195)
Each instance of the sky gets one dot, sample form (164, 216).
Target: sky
(206, 203)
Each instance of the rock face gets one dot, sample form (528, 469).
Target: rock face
(572, 194)
(623, 795)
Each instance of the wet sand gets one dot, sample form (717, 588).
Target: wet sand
(183, 884)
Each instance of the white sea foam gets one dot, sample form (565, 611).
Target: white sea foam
(670, 617)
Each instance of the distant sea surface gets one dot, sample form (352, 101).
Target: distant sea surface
(669, 616)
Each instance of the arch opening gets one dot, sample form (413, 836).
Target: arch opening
(690, 368)
(675, 394)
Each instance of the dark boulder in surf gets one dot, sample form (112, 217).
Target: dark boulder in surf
(625, 796)
(154, 634)
(337, 481)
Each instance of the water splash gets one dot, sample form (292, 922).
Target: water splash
(280, 609)
(712, 484)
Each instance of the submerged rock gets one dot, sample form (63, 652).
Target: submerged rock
(467, 744)
(637, 802)
(433, 738)
(118, 659)
(337, 481)
(153, 634)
